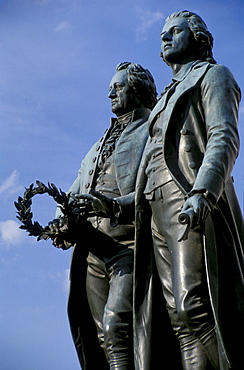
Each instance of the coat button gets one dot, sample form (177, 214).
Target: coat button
(94, 159)
(192, 165)
(183, 131)
(187, 148)
(91, 172)
(97, 149)
(87, 185)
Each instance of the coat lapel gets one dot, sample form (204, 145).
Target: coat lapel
(185, 85)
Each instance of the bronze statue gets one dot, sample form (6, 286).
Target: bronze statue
(108, 171)
(189, 279)
(187, 164)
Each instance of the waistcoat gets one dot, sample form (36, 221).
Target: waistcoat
(157, 172)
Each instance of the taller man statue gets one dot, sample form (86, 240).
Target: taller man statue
(187, 163)
(110, 168)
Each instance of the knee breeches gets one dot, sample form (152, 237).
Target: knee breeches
(180, 265)
(110, 299)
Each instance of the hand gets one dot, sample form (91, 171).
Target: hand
(61, 238)
(102, 205)
(201, 208)
(58, 225)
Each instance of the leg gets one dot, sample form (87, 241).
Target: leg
(97, 287)
(192, 351)
(186, 264)
(117, 320)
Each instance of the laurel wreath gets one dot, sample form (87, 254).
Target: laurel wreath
(68, 206)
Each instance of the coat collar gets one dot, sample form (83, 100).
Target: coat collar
(186, 80)
(184, 71)
(139, 113)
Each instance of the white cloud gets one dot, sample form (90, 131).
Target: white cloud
(10, 184)
(10, 234)
(63, 26)
(146, 20)
(66, 281)
(62, 279)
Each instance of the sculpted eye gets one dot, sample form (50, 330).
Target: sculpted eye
(177, 30)
(119, 87)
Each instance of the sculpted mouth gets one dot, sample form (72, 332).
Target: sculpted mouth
(167, 46)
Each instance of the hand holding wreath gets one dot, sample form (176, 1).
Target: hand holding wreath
(63, 231)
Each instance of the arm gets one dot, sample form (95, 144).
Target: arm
(220, 100)
(66, 229)
(120, 210)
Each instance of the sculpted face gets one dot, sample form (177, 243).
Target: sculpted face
(177, 47)
(122, 95)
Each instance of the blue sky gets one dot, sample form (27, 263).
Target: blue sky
(57, 58)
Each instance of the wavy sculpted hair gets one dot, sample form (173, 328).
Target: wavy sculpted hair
(202, 37)
(142, 82)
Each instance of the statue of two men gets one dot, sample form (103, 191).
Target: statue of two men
(187, 146)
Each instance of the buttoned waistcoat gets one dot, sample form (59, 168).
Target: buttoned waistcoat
(127, 157)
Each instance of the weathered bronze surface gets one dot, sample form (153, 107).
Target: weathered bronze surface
(187, 165)
(168, 164)
(100, 300)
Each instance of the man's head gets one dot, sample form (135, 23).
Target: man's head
(186, 31)
(131, 87)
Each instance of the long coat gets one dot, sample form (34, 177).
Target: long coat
(127, 157)
(200, 145)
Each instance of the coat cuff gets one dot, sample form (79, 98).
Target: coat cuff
(209, 182)
(124, 210)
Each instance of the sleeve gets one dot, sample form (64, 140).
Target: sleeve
(74, 189)
(220, 102)
(125, 210)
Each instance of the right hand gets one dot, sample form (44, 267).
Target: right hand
(102, 205)
(61, 236)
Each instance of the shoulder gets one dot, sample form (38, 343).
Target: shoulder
(220, 79)
(218, 73)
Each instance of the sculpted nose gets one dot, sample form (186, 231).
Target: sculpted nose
(112, 93)
(166, 36)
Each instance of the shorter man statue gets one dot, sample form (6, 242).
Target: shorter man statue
(109, 169)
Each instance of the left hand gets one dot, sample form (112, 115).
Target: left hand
(201, 207)
(102, 205)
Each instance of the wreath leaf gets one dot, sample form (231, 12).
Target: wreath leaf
(68, 207)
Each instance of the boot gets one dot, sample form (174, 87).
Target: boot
(209, 342)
